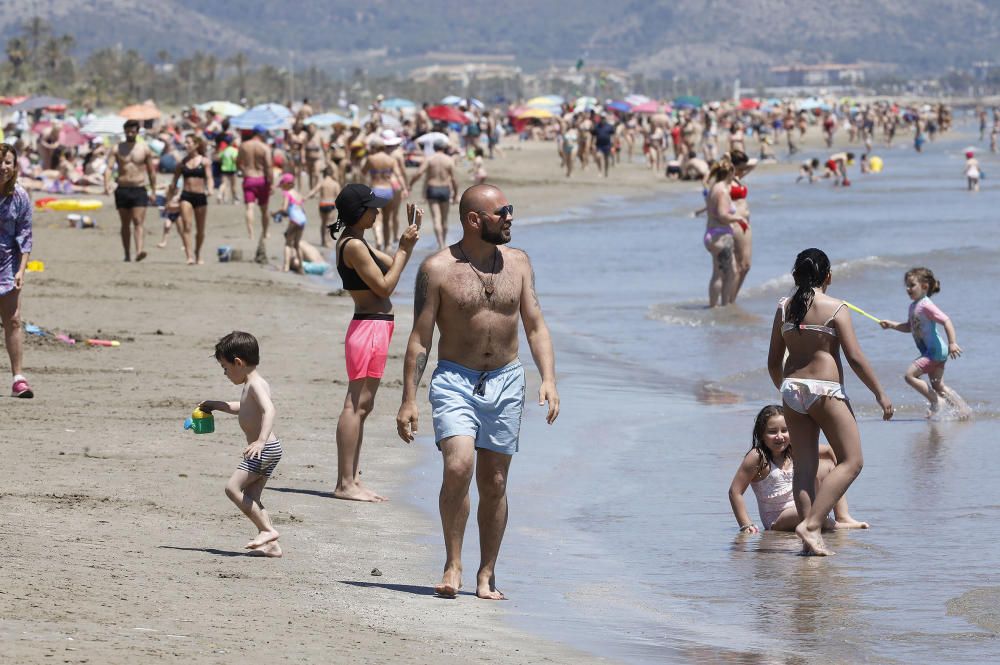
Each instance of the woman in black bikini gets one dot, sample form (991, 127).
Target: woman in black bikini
(370, 276)
(194, 197)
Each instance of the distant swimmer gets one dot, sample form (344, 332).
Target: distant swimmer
(807, 170)
(767, 469)
(441, 188)
(814, 328)
(972, 172)
(836, 167)
(720, 229)
(923, 322)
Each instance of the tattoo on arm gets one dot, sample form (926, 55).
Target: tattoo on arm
(421, 365)
(420, 293)
(534, 294)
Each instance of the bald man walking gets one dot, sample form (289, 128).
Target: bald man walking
(476, 292)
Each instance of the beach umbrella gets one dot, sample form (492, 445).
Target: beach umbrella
(452, 100)
(585, 103)
(635, 100)
(140, 112)
(447, 114)
(276, 109)
(223, 108)
(620, 106)
(535, 114)
(108, 124)
(651, 106)
(813, 103)
(40, 102)
(266, 118)
(546, 100)
(398, 103)
(10, 101)
(747, 104)
(688, 102)
(327, 120)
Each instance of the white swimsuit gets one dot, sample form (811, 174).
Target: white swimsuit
(774, 494)
(800, 394)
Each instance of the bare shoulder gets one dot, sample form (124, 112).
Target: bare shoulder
(259, 387)
(437, 263)
(518, 258)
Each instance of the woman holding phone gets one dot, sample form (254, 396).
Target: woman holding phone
(370, 276)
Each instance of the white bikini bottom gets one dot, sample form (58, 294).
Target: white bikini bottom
(800, 394)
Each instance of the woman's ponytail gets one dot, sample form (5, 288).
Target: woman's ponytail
(811, 269)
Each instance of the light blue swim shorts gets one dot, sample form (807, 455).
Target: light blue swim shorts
(484, 405)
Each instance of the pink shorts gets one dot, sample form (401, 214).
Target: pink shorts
(256, 190)
(927, 366)
(366, 346)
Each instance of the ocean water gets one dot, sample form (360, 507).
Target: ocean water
(621, 540)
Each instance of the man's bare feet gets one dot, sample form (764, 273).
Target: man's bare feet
(272, 550)
(201, 262)
(358, 493)
(162, 244)
(812, 541)
(140, 256)
(190, 262)
(451, 582)
(263, 538)
(486, 588)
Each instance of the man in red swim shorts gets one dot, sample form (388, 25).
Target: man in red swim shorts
(254, 162)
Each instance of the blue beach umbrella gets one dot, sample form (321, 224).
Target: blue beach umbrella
(687, 102)
(620, 106)
(452, 100)
(327, 120)
(398, 103)
(277, 109)
(266, 118)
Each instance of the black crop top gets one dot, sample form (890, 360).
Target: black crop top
(352, 280)
(196, 172)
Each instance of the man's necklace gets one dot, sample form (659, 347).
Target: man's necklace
(487, 288)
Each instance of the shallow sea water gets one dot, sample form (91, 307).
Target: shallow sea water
(621, 539)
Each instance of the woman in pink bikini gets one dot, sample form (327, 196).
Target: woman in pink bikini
(813, 328)
(370, 276)
(723, 222)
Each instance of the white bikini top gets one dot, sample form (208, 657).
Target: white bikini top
(825, 328)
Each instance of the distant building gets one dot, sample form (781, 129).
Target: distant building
(822, 74)
(463, 74)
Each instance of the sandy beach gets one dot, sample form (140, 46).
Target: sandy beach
(125, 548)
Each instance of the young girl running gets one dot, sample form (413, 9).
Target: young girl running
(922, 323)
(767, 468)
(813, 328)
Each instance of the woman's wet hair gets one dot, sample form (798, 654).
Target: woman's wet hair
(926, 277)
(7, 188)
(812, 267)
(757, 439)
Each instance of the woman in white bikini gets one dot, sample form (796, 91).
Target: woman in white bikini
(813, 328)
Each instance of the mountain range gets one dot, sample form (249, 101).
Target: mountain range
(658, 38)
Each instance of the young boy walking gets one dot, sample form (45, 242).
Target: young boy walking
(239, 356)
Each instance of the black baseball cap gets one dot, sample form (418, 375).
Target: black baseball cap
(354, 199)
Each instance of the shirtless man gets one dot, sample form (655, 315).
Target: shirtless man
(131, 196)
(441, 189)
(476, 291)
(254, 162)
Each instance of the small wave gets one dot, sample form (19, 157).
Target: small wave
(695, 313)
(849, 268)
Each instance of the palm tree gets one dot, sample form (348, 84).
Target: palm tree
(239, 61)
(17, 52)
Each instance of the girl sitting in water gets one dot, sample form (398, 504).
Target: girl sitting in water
(922, 323)
(767, 469)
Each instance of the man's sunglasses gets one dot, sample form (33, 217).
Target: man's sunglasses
(504, 212)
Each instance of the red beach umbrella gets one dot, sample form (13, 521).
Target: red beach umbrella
(747, 104)
(447, 114)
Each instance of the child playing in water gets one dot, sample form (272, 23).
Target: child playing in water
(767, 468)
(292, 208)
(239, 355)
(971, 171)
(922, 323)
(808, 170)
